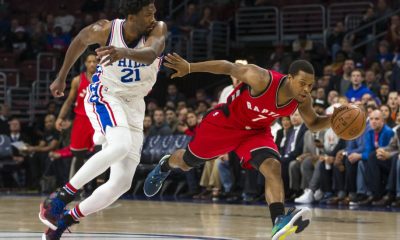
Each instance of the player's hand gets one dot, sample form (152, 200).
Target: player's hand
(57, 87)
(176, 62)
(111, 54)
(59, 124)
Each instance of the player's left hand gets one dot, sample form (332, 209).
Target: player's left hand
(110, 53)
(176, 62)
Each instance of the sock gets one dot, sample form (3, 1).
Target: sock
(165, 167)
(276, 209)
(68, 219)
(76, 213)
(67, 193)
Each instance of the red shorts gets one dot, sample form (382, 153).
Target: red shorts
(81, 134)
(217, 135)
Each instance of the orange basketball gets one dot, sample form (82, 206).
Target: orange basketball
(348, 122)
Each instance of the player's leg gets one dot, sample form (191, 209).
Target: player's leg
(121, 176)
(260, 152)
(110, 124)
(295, 220)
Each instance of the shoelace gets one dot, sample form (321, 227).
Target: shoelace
(158, 177)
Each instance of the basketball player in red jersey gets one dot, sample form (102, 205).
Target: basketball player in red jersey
(82, 130)
(243, 125)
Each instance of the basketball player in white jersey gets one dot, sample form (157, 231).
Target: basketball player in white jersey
(115, 106)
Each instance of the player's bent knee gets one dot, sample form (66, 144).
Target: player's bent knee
(262, 155)
(193, 161)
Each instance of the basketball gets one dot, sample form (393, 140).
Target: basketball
(348, 122)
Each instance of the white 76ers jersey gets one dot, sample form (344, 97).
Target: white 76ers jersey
(125, 76)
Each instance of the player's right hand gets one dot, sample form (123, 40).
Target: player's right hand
(57, 87)
(176, 62)
(59, 124)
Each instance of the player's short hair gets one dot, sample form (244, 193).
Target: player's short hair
(300, 65)
(132, 7)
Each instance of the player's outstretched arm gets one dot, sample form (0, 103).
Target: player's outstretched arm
(92, 34)
(313, 121)
(257, 78)
(153, 47)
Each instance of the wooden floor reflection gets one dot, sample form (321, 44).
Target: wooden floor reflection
(128, 219)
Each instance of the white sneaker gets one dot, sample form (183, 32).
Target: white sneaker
(306, 198)
(318, 195)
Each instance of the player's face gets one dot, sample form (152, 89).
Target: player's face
(91, 63)
(302, 84)
(146, 19)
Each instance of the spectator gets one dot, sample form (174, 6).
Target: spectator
(172, 120)
(40, 162)
(393, 35)
(160, 126)
(393, 104)
(282, 133)
(342, 83)
(357, 88)
(64, 19)
(173, 94)
(20, 43)
(377, 137)
(302, 47)
(293, 148)
(147, 124)
(188, 20)
(384, 55)
(191, 124)
(386, 113)
(384, 92)
(335, 39)
(57, 40)
(206, 18)
(372, 81)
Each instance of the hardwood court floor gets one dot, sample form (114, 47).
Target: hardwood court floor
(134, 219)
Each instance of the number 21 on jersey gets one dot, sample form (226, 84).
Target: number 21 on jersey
(130, 75)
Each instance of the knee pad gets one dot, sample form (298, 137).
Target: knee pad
(260, 155)
(193, 161)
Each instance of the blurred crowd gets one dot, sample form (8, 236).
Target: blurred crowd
(316, 166)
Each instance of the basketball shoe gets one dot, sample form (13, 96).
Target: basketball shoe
(295, 221)
(155, 179)
(62, 224)
(52, 208)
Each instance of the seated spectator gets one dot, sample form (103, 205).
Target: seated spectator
(20, 43)
(172, 120)
(147, 124)
(41, 165)
(357, 88)
(302, 47)
(206, 18)
(393, 104)
(173, 94)
(64, 19)
(188, 20)
(386, 113)
(160, 126)
(372, 169)
(341, 83)
(57, 40)
(384, 55)
(372, 82)
(335, 38)
(393, 35)
(282, 133)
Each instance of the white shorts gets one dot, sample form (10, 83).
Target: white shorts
(106, 110)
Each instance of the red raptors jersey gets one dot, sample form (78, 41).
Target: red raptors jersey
(259, 112)
(79, 108)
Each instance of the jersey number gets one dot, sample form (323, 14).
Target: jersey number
(128, 76)
(260, 117)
